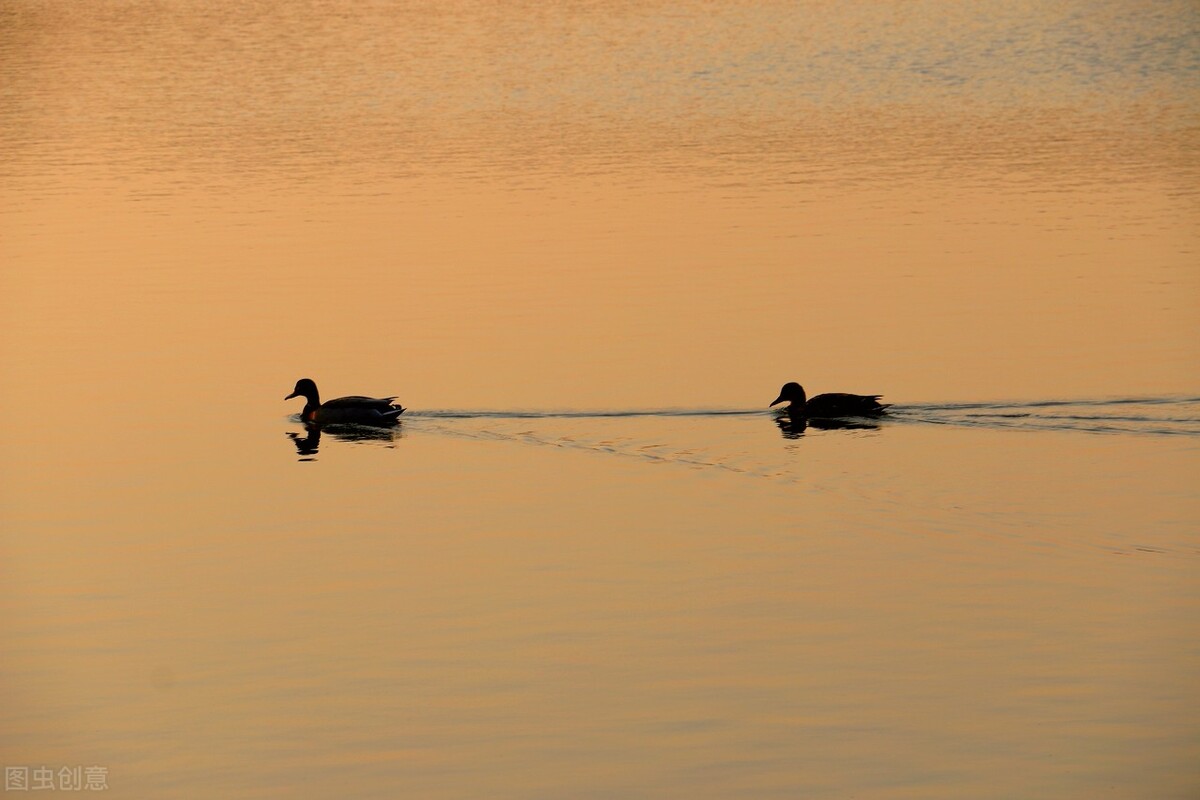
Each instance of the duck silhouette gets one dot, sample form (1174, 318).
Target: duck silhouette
(353, 410)
(833, 405)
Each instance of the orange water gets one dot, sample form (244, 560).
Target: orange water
(611, 208)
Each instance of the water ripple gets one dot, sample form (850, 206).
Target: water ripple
(1149, 416)
(1126, 415)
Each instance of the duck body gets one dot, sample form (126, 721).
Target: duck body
(828, 406)
(352, 410)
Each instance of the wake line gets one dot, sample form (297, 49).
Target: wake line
(1087, 417)
(1163, 415)
(645, 452)
(572, 414)
(1108, 401)
(1050, 424)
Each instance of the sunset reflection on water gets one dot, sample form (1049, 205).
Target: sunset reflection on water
(585, 244)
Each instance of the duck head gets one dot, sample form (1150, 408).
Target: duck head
(306, 388)
(792, 394)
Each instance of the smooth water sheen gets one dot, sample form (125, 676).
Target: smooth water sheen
(585, 243)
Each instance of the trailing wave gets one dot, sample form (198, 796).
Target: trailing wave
(1155, 416)
(576, 414)
(1173, 416)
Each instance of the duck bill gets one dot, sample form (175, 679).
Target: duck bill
(293, 394)
(778, 400)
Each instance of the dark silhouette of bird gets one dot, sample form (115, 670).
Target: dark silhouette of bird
(353, 410)
(828, 406)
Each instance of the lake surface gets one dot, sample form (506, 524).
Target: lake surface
(585, 244)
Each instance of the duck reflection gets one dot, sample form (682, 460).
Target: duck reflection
(793, 426)
(308, 443)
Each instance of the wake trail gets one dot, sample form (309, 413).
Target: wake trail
(1154, 416)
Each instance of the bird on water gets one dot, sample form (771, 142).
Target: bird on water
(832, 405)
(352, 410)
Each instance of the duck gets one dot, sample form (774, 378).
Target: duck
(828, 406)
(353, 410)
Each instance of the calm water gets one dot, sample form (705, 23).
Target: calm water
(585, 244)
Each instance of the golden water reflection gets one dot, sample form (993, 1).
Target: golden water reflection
(972, 210)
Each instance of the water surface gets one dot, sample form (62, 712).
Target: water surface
(585, 244)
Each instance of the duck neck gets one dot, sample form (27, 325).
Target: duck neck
(312, 401)
(799, 400)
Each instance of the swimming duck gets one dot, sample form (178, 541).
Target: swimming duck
(832, 405)
(352, 410)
